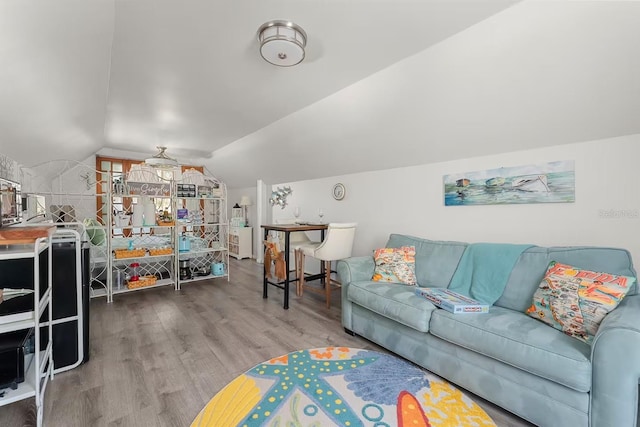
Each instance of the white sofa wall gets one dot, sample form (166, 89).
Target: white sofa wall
(410, 200)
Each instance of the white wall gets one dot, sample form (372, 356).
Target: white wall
(541, 73)
(410, 200)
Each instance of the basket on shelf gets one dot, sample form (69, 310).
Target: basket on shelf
(166, 223)
(160, 251)
(142, 282)
(129, 253)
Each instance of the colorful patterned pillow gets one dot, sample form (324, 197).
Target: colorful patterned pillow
(395, 265)
(575, 301)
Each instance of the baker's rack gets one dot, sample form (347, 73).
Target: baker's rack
(75, 194)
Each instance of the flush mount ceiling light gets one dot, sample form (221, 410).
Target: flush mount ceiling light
(161, 160)
(282, 43)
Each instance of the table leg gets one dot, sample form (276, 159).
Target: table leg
(264, 270)
(322, 274)
(286, 269)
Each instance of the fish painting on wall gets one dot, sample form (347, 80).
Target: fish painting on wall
(552, 182)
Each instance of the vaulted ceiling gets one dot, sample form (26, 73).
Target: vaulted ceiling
(400, 81)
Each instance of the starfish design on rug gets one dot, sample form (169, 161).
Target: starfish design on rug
(299, 372)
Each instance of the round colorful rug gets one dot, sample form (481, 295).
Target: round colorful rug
(339, 386)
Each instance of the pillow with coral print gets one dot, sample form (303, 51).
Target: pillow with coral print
(395, 265)
(575, 301)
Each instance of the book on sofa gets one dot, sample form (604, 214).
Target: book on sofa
(452, 301)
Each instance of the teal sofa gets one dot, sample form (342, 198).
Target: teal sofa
(505, 356)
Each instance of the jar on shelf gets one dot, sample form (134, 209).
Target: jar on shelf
(119, 278)
(134, 272)
(184, 244)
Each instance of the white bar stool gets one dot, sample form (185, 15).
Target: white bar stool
(337, 244)
(296, 239)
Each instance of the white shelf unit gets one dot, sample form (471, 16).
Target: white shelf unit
(77, 196)
(241, 242)
(38, 370)
(206, 227)
(73, 192)
(146, 234)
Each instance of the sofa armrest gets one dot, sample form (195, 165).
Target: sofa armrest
(356, 269)
(350, 270)
(615, 359)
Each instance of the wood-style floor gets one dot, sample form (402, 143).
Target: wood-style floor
(158, 356)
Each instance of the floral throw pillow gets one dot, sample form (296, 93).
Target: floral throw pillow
(395, 265)
(575, 301)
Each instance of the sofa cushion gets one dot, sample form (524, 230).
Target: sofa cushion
(532, 265)
(436, 261)
(398, 303)
(575, 301)
(518, 340)
(395, 265)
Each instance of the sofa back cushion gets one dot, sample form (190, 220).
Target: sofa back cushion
(532, 266)
(436, 261)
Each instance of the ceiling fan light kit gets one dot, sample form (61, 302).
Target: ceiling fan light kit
(282, 43)
(161, 160)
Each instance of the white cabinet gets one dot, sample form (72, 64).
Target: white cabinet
(38, 365)
(240, 242)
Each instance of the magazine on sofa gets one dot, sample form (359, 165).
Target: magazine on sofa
(452, 301)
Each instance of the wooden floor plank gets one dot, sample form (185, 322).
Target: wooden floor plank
(157, 356)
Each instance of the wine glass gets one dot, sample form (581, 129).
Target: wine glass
(320, 214)
(296, 213)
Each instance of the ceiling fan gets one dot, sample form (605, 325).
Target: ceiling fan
(161, 160)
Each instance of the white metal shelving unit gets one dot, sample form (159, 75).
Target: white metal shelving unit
(39, 365)
(146, 235)
(73, 192)
(77, 195)
(207, 228)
